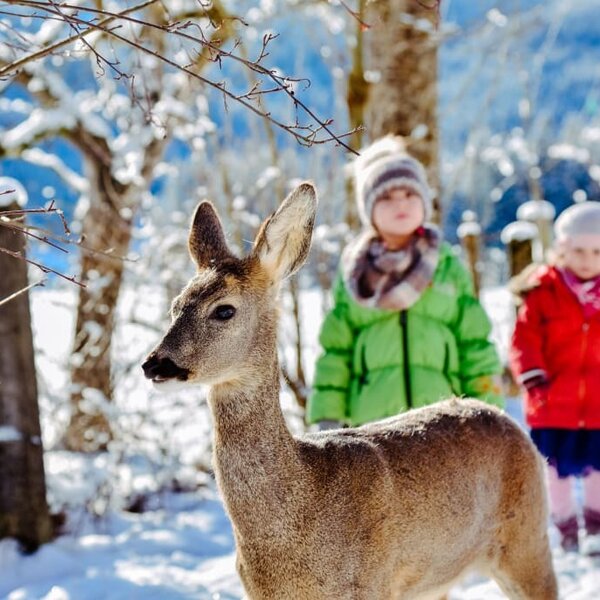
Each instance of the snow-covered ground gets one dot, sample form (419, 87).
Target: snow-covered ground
(182, 547)
(185, 550)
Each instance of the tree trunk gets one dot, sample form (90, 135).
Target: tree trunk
(106, 229)
(356, 99)
(24, 512)
(403, 101)
(108, 226)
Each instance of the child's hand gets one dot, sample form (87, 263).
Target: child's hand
(537, 397)
(537, 390)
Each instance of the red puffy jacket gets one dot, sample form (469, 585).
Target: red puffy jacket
(552, 334)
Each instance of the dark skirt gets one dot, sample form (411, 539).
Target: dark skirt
(571, 451)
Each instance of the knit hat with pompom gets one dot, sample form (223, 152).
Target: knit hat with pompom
(385, 165)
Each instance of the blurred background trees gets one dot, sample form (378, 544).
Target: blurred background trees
(120, 96)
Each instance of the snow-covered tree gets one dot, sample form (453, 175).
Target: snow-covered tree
(121, 86)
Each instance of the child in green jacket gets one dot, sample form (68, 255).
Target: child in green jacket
(406, 329)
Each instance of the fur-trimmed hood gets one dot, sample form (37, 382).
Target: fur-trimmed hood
(528, 279)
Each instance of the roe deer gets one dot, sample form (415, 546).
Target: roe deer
(396, 509)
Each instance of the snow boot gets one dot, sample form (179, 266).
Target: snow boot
(590, 545)
(569, 534)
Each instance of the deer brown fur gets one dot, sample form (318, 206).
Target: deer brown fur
(397, 509)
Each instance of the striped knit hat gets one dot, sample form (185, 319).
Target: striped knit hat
(385, 165)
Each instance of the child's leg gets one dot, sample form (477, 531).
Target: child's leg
(563, 509)
(591, 502)
(591, 491)
(562, 502)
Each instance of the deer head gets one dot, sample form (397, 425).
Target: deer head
(224, 321)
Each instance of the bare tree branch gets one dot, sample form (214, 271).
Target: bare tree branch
(305, 134)
(48, 238)
(21, 291)
(26, 231)
(9, 220)
(42, 267)
(13, 67)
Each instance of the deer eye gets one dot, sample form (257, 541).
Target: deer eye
(224, 312)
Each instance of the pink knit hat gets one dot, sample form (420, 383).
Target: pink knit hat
(579, 219)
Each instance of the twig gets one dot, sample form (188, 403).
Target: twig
(42, 268)
(17, 64)
(298, 391)
(304, 134)
(50, 209)
(355, 15)
(308, 139)
(6, 223)
(41, 282)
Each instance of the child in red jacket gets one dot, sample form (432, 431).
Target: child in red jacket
(555, 355)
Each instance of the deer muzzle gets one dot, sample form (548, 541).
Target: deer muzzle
(161, 369)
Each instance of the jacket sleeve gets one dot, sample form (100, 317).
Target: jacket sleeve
(331, 383)
(526, 356)
(479, 365)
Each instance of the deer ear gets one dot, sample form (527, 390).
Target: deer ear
(206, 241)
(283, 242)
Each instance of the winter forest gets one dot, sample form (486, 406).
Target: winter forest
(117, 118)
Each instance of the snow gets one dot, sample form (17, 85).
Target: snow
(182, 550)
(536, 210)
(569, 152)
(11, 191)
(182, 546)
(468, 228)
(9, 434)
(39, 121)
(38, 157)
(497, 18)
(519, 231)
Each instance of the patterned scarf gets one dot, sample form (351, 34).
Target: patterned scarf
(391, 279)
(587, 292)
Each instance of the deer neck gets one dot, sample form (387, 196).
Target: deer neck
(256, 458)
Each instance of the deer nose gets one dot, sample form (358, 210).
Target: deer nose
(161, 369)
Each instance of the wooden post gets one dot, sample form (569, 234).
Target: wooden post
(469, 233)
(24, 512)
(541, 213)
(519, 238)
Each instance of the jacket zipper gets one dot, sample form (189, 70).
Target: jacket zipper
(406, 363)
(363, 367)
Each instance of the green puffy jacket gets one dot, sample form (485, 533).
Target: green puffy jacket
(437, 348)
